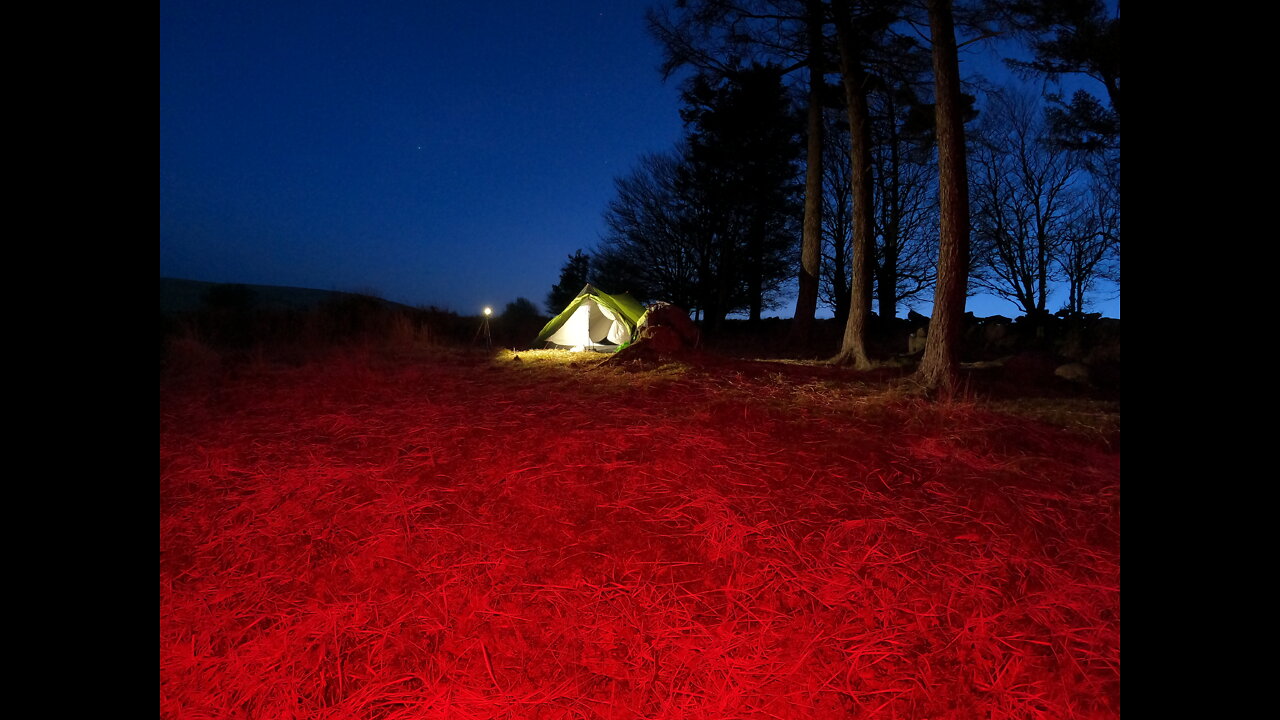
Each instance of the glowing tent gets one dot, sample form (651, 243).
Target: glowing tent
(594, 321)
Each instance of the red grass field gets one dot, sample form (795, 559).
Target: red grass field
(474, 537)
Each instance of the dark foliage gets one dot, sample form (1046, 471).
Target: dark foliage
(741, 178)
(520, 322)
(712, 226)
(646, 251)
(573, 276)
(1074, 37)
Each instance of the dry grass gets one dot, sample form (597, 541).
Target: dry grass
(472, 536)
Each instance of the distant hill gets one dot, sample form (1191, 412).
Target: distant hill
(183, 296)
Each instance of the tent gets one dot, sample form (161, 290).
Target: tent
(594, 321)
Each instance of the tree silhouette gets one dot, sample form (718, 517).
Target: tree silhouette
(1029, 204)
(815, 125)
(1092, 252)
(741, 177)
(573, 276)
(904, 174)
(719, 37)
(522, 309)
(1073, 37)
(648, 249)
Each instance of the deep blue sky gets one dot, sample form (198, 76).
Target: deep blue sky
(434, 153)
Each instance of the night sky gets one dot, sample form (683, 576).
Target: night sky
(433, 153)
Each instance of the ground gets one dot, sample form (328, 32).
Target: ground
(471, 535)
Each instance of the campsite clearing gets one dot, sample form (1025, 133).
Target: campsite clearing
(566, 536)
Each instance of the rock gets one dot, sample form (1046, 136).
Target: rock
(916, 340)
(1075, 372)
(994, 333)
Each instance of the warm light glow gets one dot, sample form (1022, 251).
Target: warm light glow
(488, 312)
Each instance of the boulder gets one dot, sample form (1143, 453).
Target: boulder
(1074, 372)
(994, 333)
(916, 341)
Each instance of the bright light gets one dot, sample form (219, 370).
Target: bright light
(488, 312)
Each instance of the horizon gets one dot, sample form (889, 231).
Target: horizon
(497, 308)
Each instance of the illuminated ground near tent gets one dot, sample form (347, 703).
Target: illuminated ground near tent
(465, 538)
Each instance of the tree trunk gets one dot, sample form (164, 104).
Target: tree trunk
(940, 365)
(887, 278)
(1112, 83)
(887, 282)
(755, 272)
(839, 283)
(854, 348)
(1042, 267)
(811, 239)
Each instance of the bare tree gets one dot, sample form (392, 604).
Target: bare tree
(904, 213)
(905, 191)
(837, 218)
(648, 249)
(1092, 252)
(1030, 206)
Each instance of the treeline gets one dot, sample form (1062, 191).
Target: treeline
(834, 144)
(236, 322)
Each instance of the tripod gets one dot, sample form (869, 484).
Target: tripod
(484, 330)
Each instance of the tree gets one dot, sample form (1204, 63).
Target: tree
(837, 219)
(811, 235)
(719, 37)
(853, 41)
(522, 309)
(712, 226)
(1030, 206)
(904, 171)
(903, 189)
(741, 179)
(517, 325)
(1081, 37)
(1073, 37)
(1092, 251)
(905, 217)
(648, 249)
(939, 366)
(573, 276)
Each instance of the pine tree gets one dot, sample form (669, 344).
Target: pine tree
(939, 368)
(741, 178)
(573, 276)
